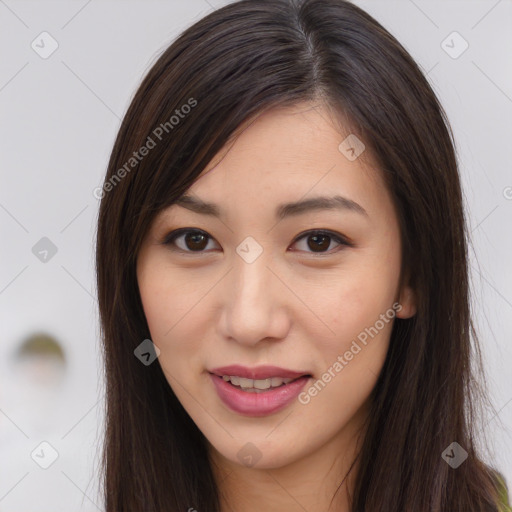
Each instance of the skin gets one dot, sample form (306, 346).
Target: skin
(293, 307)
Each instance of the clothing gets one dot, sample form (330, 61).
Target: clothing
(504, 501)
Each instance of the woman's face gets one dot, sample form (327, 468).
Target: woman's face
(255, 286)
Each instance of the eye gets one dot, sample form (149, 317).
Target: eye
(196, 240)
(319, 241)
(192, 240)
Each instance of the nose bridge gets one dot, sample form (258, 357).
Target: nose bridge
(253, 304)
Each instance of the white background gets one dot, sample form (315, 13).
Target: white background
(59, 119)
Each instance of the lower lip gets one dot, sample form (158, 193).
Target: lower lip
(257, 404)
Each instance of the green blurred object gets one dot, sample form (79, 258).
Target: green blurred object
(40, 361)
(41, 344)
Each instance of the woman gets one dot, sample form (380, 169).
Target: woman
(283, 279)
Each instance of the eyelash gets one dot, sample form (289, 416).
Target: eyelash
(337, 237)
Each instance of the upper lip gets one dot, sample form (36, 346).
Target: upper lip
(257, 373)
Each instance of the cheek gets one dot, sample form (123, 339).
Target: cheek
(165, 298)
(353, 303)
(173, 311)
(355, 307)
(360, 313)
(157, 303)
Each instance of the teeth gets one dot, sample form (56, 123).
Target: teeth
(277, 381)
(243, 383)
(253, 384)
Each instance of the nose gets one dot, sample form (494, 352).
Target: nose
(255, 306)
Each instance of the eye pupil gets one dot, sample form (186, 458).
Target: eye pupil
(196, 238)
(321, 245)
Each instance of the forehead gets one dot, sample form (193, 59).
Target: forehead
(289, 153)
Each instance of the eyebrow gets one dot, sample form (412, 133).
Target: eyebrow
(284, 210)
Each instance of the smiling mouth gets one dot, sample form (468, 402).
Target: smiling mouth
(243, 395)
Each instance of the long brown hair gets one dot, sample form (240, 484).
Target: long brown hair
(233, 64)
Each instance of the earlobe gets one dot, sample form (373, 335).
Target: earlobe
(407, 300)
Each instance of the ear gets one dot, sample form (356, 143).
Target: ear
(407, 299)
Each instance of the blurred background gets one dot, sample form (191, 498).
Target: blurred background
(67, 74)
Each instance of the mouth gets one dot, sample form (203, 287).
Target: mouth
(257, 391)
(248, 399)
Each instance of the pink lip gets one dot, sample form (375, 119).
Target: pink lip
(257, 373)
(258, 404)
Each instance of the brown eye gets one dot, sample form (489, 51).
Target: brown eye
(195, 241)
(189, 240)
(320, 241)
